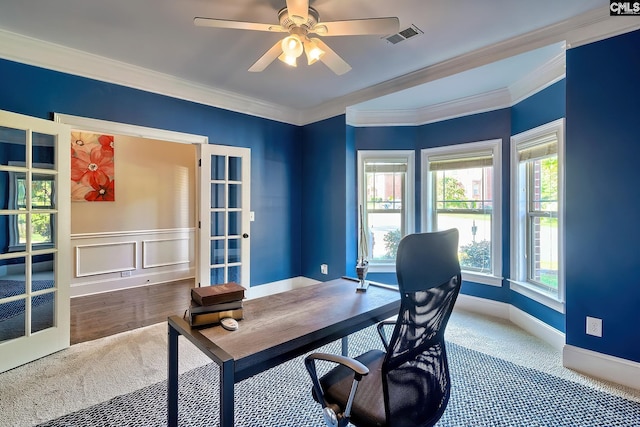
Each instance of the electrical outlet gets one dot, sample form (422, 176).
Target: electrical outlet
(126, 273)
(594, 326)
(324, 269)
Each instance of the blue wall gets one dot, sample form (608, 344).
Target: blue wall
(275, 147)
(304, 178)
(327, 231)
(602, 177)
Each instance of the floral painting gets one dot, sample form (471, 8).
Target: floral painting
(92, 168)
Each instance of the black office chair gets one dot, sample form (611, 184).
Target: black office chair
(409, 384)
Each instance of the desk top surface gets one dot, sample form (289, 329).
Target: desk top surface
(280, 322)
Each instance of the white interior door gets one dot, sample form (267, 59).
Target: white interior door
(224, 215)
(34, 238)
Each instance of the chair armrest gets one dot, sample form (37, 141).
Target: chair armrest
(383, 336)
(359, 370)
(357, 367)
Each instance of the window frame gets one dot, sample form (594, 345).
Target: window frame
(520, 267)
(470, 149)
(408, 199)
(35, 175)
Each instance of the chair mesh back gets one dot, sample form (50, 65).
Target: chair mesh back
(415, 371)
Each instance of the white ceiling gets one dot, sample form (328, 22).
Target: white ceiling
(449, 61)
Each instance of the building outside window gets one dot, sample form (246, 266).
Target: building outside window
(537, 214)
(461, 189)
(385, 194)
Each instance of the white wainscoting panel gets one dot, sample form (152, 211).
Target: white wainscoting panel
(109, 261)
(162, 252)
(103, 258)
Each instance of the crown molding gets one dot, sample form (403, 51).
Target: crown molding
(585, 28)
(542, 77)
(481, 103)
(537, 80)
(39, 53)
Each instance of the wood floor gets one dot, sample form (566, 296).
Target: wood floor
(101, 315)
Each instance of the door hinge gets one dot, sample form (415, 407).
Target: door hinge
(199, 163)
(199, 224)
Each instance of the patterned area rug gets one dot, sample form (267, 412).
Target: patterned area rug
(9, 288)
(486, 391)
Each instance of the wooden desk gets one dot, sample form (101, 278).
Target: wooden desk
(277, 328)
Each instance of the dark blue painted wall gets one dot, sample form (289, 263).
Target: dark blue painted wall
(304, 177)
(540, 108)
(275, 147)
(602, 177)
(326, 228)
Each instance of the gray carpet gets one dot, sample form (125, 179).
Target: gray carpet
(486, 391)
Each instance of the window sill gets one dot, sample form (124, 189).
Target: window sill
(537, 295)
(484, 279)
(382, 268)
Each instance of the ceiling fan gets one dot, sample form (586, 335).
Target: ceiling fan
(300, 21)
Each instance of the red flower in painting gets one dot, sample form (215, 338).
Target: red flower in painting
(101, 192)
(91, 168)
(106, 143)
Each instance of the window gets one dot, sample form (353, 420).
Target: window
(42, 201)
(461, 189)
(537, 212)
(385, 192)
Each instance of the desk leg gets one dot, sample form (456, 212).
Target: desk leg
(345, 346)
(227, 384)
(172, 382)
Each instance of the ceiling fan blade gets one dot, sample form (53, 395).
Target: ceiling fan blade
(380, 26)
(298, 11)
(267, 58)
(236, 25)
(332, 59)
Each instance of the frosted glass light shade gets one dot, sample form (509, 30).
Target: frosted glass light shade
(292, 46)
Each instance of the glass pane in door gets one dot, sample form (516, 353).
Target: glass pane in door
(235, 168)
(43, 151)
(13, 145)
(13, 300)
(218, 168)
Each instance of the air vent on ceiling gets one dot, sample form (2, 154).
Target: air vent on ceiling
(412, 31)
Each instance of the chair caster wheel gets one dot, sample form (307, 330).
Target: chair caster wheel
(330, 417)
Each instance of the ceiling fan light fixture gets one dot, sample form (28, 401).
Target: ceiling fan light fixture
(288, 59)
(292, 46)
(313, 51)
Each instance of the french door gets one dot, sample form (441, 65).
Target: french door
(34, 238)
(224, 215)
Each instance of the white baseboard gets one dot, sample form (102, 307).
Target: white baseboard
(279, 286)
(516, 316)
(603, 366)
(483, 306)
(119, 283)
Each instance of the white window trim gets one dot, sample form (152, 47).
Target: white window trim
(13, 226)
(516, 252)
(495, 145)
(409, 204)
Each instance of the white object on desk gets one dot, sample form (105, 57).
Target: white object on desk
(229, 324)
